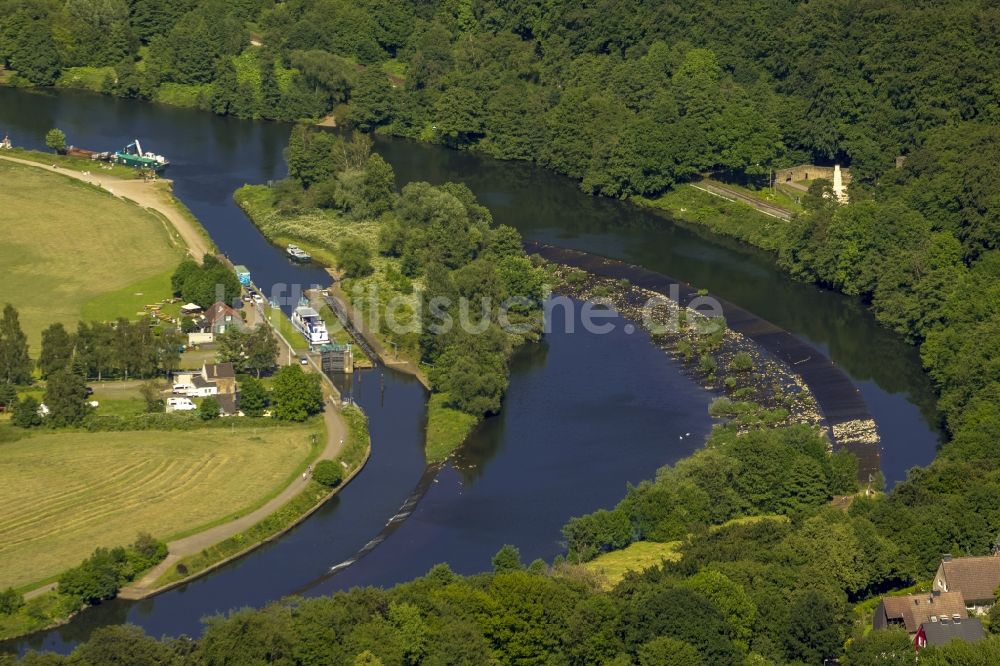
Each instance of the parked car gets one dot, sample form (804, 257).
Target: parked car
(181, 388)
(304, 360)
(257, 298)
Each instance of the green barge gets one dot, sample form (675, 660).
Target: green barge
(132, 155)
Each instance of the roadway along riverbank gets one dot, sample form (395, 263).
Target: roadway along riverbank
(150, 195)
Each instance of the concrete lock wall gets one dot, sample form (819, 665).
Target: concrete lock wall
(810, 172)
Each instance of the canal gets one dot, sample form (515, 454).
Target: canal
(575, 427)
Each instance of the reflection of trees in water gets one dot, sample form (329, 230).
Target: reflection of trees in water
(483, 445)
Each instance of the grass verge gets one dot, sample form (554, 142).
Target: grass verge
(73, 163)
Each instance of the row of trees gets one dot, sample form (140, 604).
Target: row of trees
(99, 349)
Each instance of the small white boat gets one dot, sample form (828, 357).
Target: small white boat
(297, 253)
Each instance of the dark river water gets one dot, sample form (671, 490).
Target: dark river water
(585, 413)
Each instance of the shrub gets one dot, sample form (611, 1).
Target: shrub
(97, 578)
(11, 601)
(329, 473)
(721, 407)
(146, 552)
(25, 413)
(707, 364)
(742, 362)
(100, 576)
(208, 409)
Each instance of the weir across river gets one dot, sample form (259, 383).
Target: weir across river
(844, 410)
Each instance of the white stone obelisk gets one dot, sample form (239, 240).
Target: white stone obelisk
(839, 191)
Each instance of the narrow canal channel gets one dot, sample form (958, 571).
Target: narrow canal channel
(576, 426)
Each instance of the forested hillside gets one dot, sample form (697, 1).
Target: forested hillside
(630, 97)
(633, 98)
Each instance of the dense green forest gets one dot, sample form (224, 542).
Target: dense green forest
(632, 98)
(629, 97)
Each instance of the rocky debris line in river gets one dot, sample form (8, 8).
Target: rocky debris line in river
(757, 387)
(858, 431)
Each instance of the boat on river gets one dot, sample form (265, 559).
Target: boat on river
(308, 322)
(297, 253)
(132, 155)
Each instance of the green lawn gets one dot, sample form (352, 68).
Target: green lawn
(70, 250)
(69, 492)
(638, 557)
(132, 299)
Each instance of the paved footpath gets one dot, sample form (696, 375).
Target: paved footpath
(146, 194)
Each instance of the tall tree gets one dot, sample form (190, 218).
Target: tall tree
(57, 350)
(295, 394)
(55, 139)
(66, 398)
(15, 365)
(261, 350)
